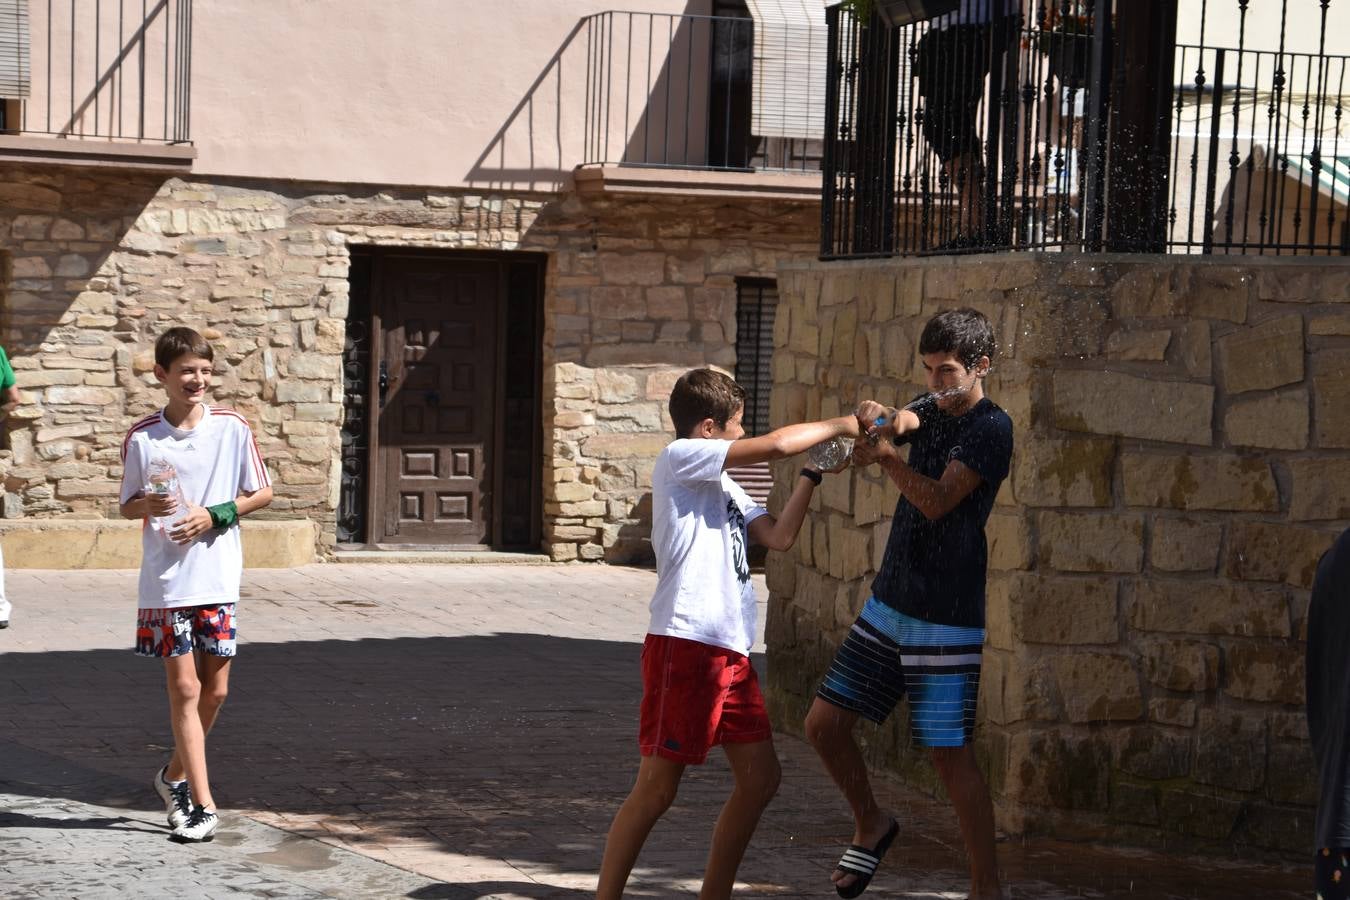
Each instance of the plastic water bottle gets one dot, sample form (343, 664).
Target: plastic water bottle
(830, 453)
(162, 478)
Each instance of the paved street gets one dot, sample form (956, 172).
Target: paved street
(429, 732)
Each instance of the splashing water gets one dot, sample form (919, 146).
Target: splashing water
(933, 397)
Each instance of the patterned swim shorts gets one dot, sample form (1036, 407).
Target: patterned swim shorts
(166, 633)
(888, 654)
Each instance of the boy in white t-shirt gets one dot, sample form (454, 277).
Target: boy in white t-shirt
(698, 687)
(190, 472)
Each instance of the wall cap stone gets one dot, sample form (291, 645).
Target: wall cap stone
(116, 543)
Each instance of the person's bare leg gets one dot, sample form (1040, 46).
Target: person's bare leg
(968, 174)
(188, 736)
(757, 773)
(4, 603)
(658, 779)
(213, 673)
(830, 731)
(975, 811)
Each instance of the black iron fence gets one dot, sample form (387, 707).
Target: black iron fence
(1088, 126)
(705, 92)
(1261, 164)
(103, 69)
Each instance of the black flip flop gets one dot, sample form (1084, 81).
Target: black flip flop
(862, 862)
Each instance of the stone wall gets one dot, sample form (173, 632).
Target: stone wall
(1182, 459)
(640, 292)
(98, 264)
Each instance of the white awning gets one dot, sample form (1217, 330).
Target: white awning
(789, 68)
(1333, 177)
(14, 51)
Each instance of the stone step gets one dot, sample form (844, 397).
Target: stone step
(116, 543)
(445, 557)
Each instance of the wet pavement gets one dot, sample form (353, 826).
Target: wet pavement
(432, 731)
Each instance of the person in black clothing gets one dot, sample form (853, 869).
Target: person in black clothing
(922, 632)
(1328, 700)
(951, 61)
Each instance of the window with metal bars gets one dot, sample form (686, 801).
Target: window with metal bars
(756, 303)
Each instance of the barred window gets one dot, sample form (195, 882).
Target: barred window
(756, 303)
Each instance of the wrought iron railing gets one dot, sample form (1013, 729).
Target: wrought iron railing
(115, 70)
(702, 92)
(1267, 169)
(1085, 126)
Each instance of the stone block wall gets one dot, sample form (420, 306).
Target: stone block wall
(97, 264)
(1181, 462)
(643, 290)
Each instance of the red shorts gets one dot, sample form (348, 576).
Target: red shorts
(696, 696)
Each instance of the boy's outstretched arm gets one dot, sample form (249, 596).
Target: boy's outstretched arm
(780, 532)
(788, 441)
(933, 498)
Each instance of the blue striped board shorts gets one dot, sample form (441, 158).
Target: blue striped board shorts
(888, 654)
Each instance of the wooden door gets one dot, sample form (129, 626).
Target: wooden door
(437, 377)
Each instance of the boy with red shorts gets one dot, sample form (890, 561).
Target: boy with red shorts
(698, 687)
(190, 471)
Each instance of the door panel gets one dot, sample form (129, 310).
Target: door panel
(439, 346)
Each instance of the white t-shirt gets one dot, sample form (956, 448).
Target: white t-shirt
(699, 519)
(215, 461)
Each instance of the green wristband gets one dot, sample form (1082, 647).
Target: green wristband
(223, 515)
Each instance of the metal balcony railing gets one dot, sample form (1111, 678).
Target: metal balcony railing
(702, 92)
(1085, 125)
(1260, 164)
(115, 70)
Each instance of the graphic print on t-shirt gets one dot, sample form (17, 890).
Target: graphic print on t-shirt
(736, 521)
(700, 518)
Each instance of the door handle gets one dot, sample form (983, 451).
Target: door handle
(384, 381)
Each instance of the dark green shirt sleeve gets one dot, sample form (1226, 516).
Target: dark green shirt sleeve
(6, 371)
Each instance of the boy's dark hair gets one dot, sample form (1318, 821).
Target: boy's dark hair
(179, 341)
(704, 394)
(965, 333)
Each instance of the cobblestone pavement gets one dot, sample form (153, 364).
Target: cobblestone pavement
(427, 732)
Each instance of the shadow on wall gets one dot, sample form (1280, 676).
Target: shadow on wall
(67, 306)
(610, 93)
(634, 546)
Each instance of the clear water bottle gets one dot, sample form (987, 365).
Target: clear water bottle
(830, 453)
(162, 478)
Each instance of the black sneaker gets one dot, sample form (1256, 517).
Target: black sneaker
(177, 797)
(199, 828)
